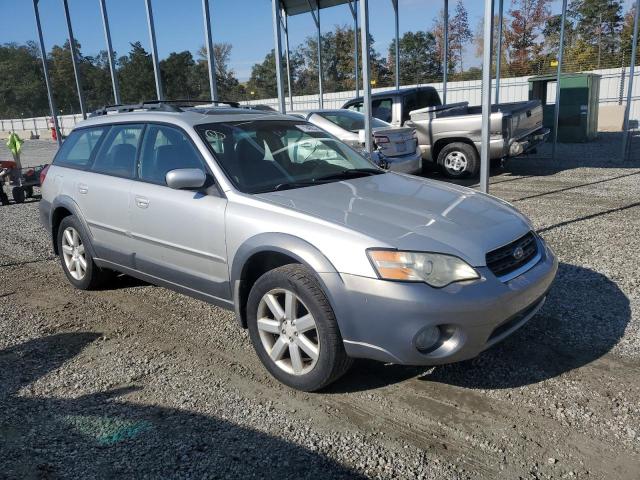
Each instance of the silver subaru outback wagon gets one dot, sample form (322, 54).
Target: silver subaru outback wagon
(323, 256)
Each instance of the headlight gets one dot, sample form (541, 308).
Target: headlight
(435, 269)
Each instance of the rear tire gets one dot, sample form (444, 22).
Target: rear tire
(28, 191)
(290, 322)
(18, 194)
(459, 160)
(76, 259)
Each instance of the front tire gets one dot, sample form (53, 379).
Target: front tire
(293, 329)
(459, 160)
(75, 257)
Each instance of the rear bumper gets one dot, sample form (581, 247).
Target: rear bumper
(529, 142)
(411, 163)
(380, 319)
(44, 208)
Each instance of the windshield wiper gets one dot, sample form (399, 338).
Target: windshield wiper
(290, 185)
(343, 174)
(350, 173)
(286, 186)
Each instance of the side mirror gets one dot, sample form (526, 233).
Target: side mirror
(185, 178)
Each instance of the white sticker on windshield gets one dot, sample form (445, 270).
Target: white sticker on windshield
(307, 127)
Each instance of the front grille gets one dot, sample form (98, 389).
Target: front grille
(505, 260)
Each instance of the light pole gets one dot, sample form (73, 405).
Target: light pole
(74, 59)
(47, 81)
(486, 95)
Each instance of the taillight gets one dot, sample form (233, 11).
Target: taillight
(382, 139)
(43, 174)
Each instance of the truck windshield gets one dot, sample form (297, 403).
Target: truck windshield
(351, 121)
(267, 155)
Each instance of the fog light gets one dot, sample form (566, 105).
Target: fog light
(428, 339)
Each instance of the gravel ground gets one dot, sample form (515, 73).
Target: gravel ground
(140, 382)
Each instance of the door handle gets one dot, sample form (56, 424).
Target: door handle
(142, 202)
(83, 189)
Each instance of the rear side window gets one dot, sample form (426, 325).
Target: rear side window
(165, 149)
(351, 121)
(410, 103)
(356, 106)
(78, 149)
(428, 98)
(117, 155)
(381, 108)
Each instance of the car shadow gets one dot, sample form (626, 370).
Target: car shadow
(13, 203)
(121, 281)
(101, 435)
(585, 316)
(370, 375)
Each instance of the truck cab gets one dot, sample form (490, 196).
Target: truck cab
(394, 106)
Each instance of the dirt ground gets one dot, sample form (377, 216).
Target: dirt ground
(139, 382)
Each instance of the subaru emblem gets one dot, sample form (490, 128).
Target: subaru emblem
(518, 253)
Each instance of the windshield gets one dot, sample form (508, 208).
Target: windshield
(351, 121)
(268, 155)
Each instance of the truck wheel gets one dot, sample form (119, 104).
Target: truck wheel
(293, 329)
(76, 259)
(459, 160)
(18, 194)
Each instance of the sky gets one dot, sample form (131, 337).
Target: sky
(245, 24)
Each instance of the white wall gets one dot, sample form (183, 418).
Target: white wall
(511, 90)
(40, 124)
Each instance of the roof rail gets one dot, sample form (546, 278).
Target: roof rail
(159, 106)
(194, 102)
(156, 105)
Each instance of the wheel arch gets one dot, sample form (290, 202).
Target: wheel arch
(443, 142)
(265, 252)
(61, 208)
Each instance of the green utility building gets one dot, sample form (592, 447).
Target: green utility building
(579, 94)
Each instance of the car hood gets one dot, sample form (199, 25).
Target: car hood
(412, 213)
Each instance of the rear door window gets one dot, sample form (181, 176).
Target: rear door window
(79, 148)
(409, 104)
(428, 97)
(167, 148)
(117, 155)
(350, 121)
(381, 108)
(355, 106)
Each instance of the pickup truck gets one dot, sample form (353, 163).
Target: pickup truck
(450, 134)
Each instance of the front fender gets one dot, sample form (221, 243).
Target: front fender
(292, 246)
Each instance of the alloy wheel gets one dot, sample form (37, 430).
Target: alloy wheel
(288, 332)
(455, 162)
(73, 253)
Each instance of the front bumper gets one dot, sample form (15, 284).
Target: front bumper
(380, 319)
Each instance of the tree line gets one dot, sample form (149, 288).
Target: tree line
(597, 35)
